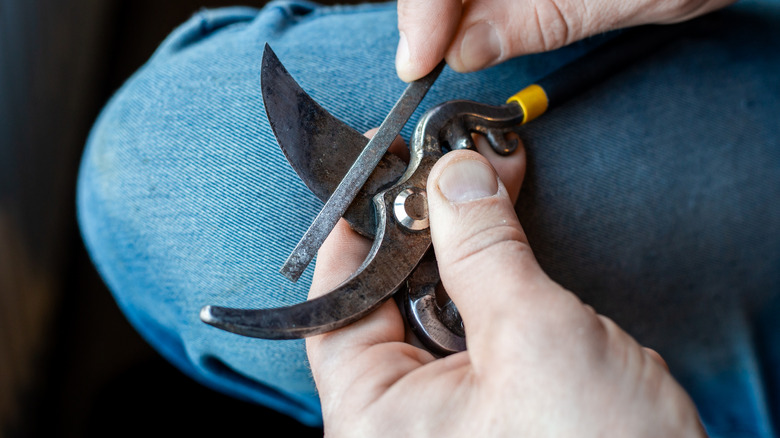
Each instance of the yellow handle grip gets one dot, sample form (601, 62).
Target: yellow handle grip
(533, 100)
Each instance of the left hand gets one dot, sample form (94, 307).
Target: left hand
(475, 34)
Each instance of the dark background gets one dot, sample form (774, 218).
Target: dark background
(70, 364)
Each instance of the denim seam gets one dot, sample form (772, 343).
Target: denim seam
(343, 10)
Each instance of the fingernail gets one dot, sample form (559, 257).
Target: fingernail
(480, 47)
(467, 180)
(402, 56)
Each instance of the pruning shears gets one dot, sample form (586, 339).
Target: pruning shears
(384, 198)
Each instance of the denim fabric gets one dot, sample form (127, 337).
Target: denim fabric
(652, 196)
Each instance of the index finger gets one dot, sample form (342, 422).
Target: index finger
(426, 29)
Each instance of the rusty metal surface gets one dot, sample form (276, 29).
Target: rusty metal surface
(453, 122)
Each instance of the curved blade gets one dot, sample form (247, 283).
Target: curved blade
(381, 275)
(396, 251)
(320, 148)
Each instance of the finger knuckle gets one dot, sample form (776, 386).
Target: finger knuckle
(407, 8)
(678, 9)
(498, 242)
(554, 24)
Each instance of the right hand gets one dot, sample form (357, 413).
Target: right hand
(539, 362)
(475, 34)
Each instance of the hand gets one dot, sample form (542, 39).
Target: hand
(539, 362)
(474, 34)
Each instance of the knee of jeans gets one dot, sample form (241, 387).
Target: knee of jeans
(275, 17)
(184, 200)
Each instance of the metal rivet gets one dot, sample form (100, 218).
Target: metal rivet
(411, 209)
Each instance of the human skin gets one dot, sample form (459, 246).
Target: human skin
(474, 34)
(539, 362)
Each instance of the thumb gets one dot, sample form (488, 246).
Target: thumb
(485, 263)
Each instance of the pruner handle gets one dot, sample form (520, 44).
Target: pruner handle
(596, 66)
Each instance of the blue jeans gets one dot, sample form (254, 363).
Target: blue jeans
(653, 196)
